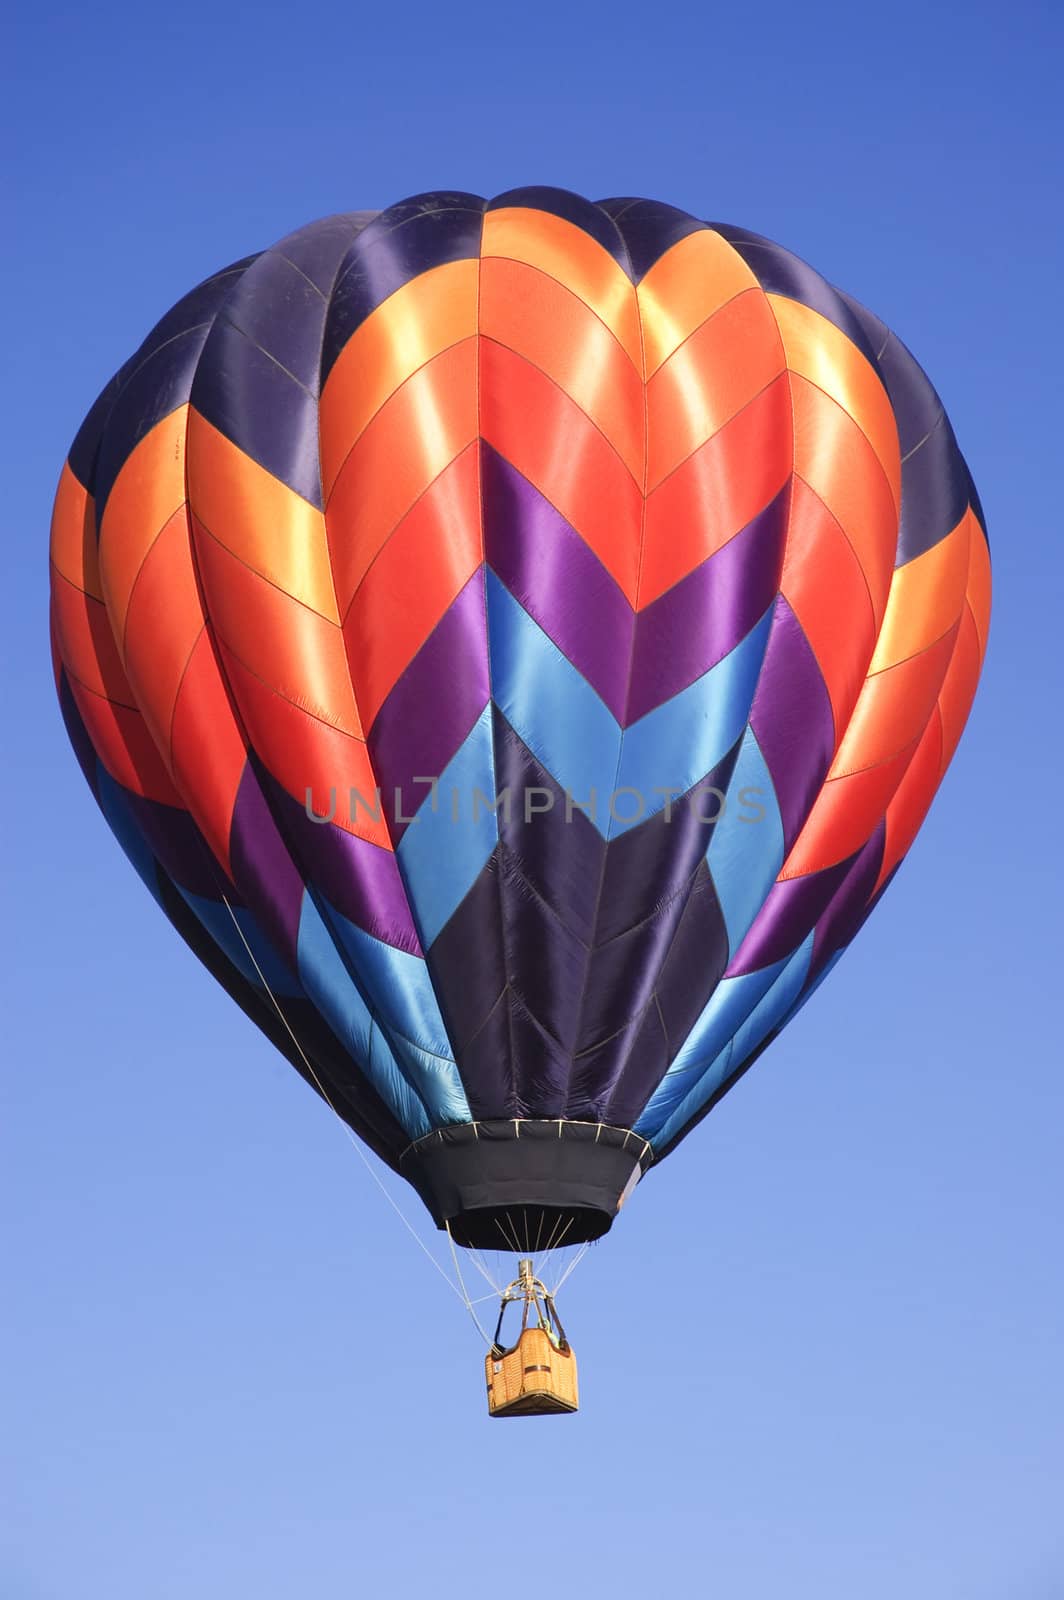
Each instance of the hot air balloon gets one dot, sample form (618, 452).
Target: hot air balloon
(516, 642)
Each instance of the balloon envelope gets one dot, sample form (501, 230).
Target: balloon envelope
(516, 642)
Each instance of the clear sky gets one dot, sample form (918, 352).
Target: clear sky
(821, 1353)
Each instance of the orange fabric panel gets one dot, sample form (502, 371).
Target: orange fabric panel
(926, 597)
(979, 584)
(149, 490)
(163, 621)
(958, 688)
(291, 648)
(539, 430)
(825, 588)
(412, 438)
(207, 745)
(269, 527)
(837, 461)
(540, 319)
(684, 287)
(822, 354)
(715, 373)
(845, 814)
(717, 491)
(85, 641)
(567, 253)
(893, 708)
(913, 797)
(121, 740)
(423, 566)
(73, 537)
(418, 322)
(53, 641)
(303, 753)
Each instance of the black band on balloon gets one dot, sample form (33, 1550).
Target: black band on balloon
(525, 1184)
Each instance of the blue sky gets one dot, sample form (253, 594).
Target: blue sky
(821, 1352)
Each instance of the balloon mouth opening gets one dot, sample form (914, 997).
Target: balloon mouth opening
(503, 1185)
(528, 1230)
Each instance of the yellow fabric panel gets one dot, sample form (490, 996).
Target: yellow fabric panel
(926, 596)
(260, 520)
(149, 488)
(435, 310)
(568, 254)
(684, 288)
(73, 539)
(822, 354)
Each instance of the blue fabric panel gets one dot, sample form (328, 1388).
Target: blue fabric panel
(218, 922)
(731, 1003)
(330, 987)
(399, 989)
(766, 1014)
(679, 743)
(745, 855)
(549, 704)
(452, 836)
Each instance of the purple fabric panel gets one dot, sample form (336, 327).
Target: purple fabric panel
(850, 903)
(179, 846)
(557, 578)
(263, 870)
(789, 913)
(356, 876)
(700, 619)
(432, 707)
(792, 720)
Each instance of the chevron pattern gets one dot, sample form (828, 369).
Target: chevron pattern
(610, 588)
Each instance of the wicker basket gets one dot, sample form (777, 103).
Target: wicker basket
(534, 1378)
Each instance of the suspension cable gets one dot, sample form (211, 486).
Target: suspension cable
(460, 1292)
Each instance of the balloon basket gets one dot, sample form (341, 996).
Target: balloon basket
(535, 1377)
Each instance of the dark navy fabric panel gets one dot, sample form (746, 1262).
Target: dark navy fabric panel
(243, 393)
(780, 272)
(467, 960)
(583, 214)
(398, 245)
(648, 229)
(316, 249)
(158, 386)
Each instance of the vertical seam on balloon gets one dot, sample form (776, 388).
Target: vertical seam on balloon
(513, 1103)
(322, 906)
(201, 843)
(783, 557)
(631, 660)
(839, 733)
(282, 835)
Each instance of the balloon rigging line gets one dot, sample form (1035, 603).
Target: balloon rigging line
(461, 1293)
(461, 1280)
(574, 1263)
